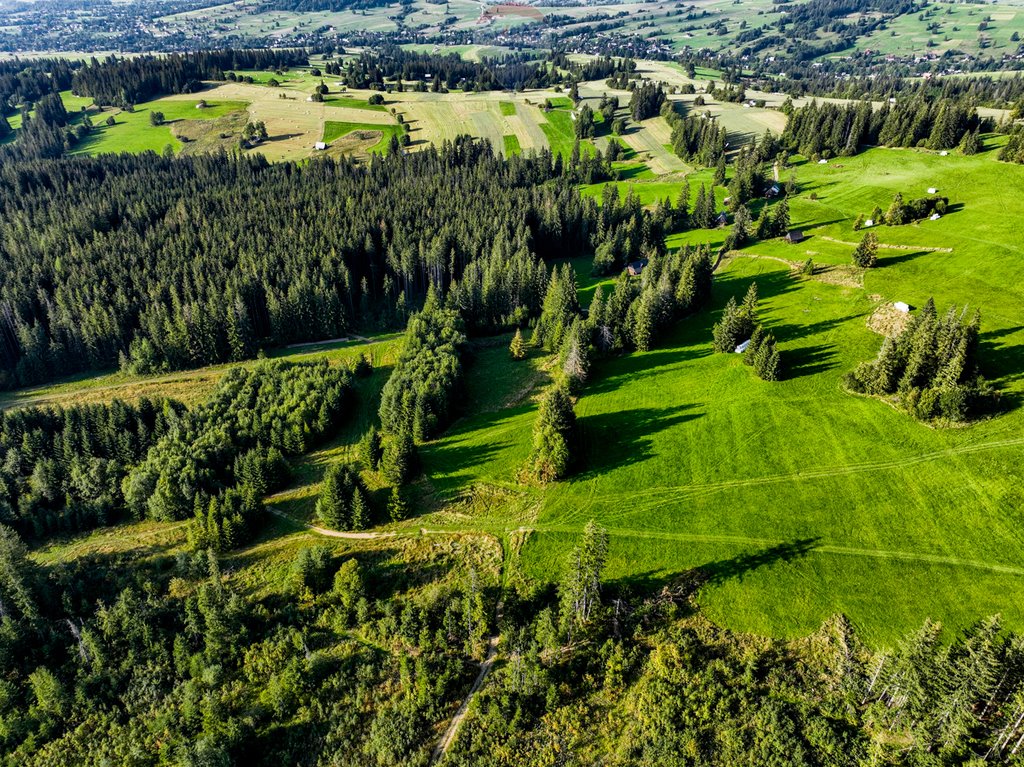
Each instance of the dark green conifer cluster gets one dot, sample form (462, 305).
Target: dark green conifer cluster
(61, 468)
(739, 324)
(931, 368)
(226, 455)
(829, 129)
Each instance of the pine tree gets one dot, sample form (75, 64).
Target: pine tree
(399, 458)
(866, 253)
(360, 510)
(370, 449)
(579, 593)
(757, 339)
(767, 362)
(553, 436)
(518, 347)
(333, 504)
(398, 509)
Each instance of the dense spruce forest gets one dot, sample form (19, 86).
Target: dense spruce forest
(183, 262)
(837, 130)
(127, 81)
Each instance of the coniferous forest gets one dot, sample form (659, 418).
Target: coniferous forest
(183, 262)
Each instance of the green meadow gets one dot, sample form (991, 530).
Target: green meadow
(334, 130)
(798, 499)
(132, 131)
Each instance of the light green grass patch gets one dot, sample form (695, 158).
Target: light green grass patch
(133, 133)
(508, 108)
(511, 145)
(335, 130)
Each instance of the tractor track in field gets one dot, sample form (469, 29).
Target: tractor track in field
(661, 496)
(827, 548)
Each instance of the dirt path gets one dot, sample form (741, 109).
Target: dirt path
(330, 533)
(453, 727)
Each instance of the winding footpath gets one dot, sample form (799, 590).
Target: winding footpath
(492, 642)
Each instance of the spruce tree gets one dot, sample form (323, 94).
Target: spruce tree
(333, 506)
(398, 509)
(518, 347)
(553, 436)
(866, 253)
(370, 450)
(399, 458)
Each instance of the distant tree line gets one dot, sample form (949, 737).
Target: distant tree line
(829, 130)
(126, 81)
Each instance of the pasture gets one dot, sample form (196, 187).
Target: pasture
(799, 499)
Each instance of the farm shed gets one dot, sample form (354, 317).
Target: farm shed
(794, 236)
(636, 268)
(743, 347)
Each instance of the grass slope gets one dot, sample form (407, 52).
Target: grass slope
(799, 499)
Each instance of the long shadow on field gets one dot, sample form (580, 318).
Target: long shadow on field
(634, 367)
(808, 360)
(901, 258)
(742, 564)
(612, 440)
(998, 359)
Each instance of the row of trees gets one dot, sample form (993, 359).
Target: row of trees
(930, 369)
(829, 129)
(124, 82)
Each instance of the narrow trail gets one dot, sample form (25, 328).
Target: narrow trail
(492, 642)
(485, 668)
(329, 533)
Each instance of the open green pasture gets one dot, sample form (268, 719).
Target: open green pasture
(133, 132)
(335, 130)
(798, 499)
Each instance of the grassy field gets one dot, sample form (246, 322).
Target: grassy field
(800, 499)
(133, 132)
(379, 134)
(511, 145)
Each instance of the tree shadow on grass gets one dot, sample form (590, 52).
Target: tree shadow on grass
(807, 361)
(901, 257)
(633, 367)
(613, 440)
(999, 360)
(737, 567)
(680, 585)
